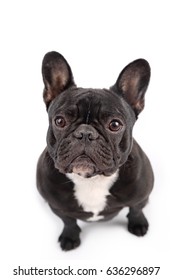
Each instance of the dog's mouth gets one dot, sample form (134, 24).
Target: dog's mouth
(84, 166)
(85, 161)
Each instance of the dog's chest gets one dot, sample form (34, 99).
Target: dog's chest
(91, 193)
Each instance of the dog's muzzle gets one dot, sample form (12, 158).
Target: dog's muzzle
(85, 153)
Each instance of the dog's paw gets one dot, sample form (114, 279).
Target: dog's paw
(138, 229)
(68, 243)
(137, 224)
(69, 238)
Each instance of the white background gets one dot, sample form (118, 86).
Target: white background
(98, 38)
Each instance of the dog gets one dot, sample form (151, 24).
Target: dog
(92, 167)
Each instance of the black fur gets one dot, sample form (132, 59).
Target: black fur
(81, 139)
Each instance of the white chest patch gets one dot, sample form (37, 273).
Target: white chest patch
(91, 193)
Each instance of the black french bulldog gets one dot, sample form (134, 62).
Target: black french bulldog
(92, 167)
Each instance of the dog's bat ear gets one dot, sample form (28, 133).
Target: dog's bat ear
(57, 76)
(132, 84)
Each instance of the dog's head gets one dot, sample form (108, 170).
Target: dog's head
(90, 130)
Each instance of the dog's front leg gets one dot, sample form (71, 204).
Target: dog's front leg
(137, 222)
(69, 238)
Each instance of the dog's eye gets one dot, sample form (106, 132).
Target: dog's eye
(60, 122)
(115, 125)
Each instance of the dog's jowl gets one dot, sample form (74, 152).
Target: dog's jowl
(92, 167)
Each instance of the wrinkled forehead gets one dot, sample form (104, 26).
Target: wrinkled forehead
(94, 101)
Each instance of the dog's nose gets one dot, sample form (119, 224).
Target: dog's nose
(85, 132)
